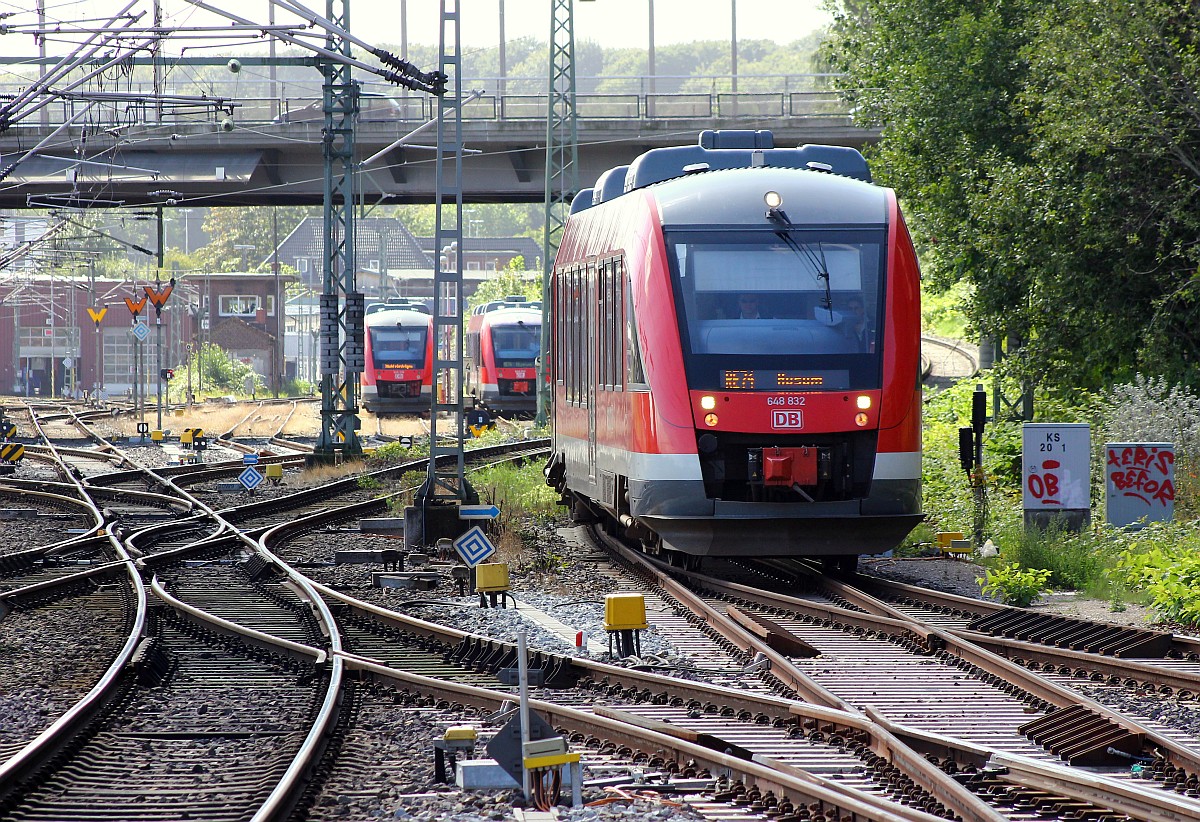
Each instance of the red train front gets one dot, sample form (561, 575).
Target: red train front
(736, 351)
(503, 341)
(399, 360)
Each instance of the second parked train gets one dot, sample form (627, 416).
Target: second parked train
(503, 341)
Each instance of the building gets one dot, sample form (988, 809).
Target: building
(493, 253)
(70, 335)
(387, 252)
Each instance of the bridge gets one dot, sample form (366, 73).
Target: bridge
(268, 150)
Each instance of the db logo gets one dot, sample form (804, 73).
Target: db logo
(787, 419)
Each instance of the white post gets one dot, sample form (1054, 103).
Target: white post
(523, 681)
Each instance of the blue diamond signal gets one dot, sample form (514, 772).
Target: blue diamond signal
(141, 332)
(250, 479)
(474, 547)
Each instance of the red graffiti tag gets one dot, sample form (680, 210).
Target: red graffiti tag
(1045, 487)
(1142, 473)
(1141, 457)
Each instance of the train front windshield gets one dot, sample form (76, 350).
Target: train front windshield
(516, 345)
(393, 347)
(780, 310)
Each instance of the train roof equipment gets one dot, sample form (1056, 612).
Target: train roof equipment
(399, 303)
(716, 150)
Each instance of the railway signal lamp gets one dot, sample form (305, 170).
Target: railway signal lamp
(166, 374)
(966, 448)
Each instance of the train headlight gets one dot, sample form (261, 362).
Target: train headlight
(860, 419)
(708, 402)
(773, 199)
(710, 419)
(863, 402)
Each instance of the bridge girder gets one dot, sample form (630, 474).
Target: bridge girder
(282, 164)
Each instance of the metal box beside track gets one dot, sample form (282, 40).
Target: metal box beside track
(625, 612)
(491, 577)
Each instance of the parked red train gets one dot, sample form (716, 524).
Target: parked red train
(503, 341)
(399, 358)
(735, 353)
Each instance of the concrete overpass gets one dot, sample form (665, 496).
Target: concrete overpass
(254, 158)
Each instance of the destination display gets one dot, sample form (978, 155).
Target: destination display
(770, 379)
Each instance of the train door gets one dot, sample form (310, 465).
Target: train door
(591, 304)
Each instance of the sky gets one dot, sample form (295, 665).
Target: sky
(611, 23)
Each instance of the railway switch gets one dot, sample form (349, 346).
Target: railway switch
(624, 620)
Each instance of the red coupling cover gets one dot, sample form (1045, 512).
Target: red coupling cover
(790, 466)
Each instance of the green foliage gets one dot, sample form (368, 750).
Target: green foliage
(509, 282)
(942, 312)
(299, 388)
(1081, 561)
(942, 477)
(369, 483)
(217, 371)
(393, 453)
(519, 490)
(1045, 154)
(1157, 563)
(250, 226)
(1014, 585)
(1164, 562)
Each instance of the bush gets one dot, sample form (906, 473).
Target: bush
(1014, 585)
(1163, 561)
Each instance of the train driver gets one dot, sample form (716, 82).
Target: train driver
(748, 307)
(857, 327)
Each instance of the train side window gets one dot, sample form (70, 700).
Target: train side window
(576, 334)
(616, 282)
(633, 362)
(604, 273)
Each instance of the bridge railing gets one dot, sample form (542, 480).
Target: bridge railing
(261, 101)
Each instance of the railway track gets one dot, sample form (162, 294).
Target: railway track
(238, 585)
(944, 362)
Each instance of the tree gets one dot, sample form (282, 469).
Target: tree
(1045, 154)
(249, 226)
(509, 282)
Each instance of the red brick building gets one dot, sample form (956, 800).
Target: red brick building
(49, 341)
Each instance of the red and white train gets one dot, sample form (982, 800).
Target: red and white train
(735, 353)
(399, 358)
(503, 342)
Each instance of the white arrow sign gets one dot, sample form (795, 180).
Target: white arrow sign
(478, 512)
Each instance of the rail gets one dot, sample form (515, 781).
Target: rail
(512, 99)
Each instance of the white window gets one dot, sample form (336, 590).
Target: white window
(302, 265)
(490, 265)
(246, 305)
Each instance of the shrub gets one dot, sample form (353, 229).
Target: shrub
(1163, 561)
(1014, 585)
(1082, 560)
